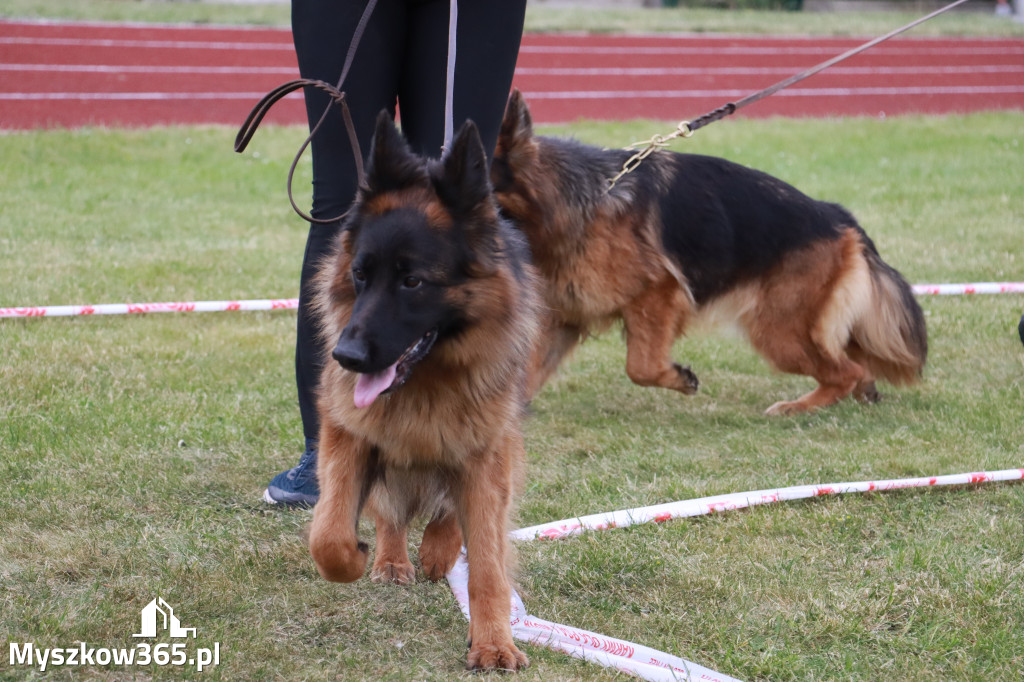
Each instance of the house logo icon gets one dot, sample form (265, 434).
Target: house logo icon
(159, 613)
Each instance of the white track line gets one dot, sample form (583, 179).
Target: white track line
(766, 71)
(765, 50)
(534, 71)
(132, 68)
(550, 95)
(172, 26)
(791, 92)
(148, 44)
(658, 35)
(1002, 50)
(133, 96)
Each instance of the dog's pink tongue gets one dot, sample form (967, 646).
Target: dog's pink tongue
(369, 386)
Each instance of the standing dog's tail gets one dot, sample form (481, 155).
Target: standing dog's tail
(889, 339)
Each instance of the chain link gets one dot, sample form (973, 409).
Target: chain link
(650, 146)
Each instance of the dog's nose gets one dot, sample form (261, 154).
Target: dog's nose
(352, 354)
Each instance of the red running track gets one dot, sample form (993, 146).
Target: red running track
(74, 74)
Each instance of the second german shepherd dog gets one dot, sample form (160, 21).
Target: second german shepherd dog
(430, 308)
(685, 234)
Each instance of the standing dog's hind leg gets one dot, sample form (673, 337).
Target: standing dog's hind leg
(391, 563)
(442, 540)
(837, 378)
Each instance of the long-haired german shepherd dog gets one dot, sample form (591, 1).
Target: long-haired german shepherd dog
(686, 234)
(430, 307)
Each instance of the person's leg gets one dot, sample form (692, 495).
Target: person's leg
(322, 30)
(487, 46)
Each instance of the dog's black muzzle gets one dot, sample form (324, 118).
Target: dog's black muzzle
(352, 354)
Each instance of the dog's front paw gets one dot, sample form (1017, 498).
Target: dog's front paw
(339, 562)
(688, 381)
(496, 657)
(396, 573)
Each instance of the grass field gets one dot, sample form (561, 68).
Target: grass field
(540, 17)
(134, 449)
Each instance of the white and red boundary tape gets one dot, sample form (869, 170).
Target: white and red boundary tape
(292, 303)
(638, 660)
(975, 288)
(139, 308)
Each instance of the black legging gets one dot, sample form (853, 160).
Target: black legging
(403, 56)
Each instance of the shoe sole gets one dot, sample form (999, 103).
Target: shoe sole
(286, 503)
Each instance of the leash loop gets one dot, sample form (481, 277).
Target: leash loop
(252, 121)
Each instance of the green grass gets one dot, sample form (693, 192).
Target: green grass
(543, 18)
(134, 449)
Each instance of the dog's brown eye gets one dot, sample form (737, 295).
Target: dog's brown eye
(411, 282)
(358, 274)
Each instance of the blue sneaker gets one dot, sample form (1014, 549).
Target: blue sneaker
(297, 486)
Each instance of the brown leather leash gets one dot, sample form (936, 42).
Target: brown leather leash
(688, 128)
(255, 116)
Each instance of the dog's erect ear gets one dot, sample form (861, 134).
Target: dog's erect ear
(517, 125)
(464, 183)
(392, 165)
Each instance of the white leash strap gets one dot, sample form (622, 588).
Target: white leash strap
(449, 89)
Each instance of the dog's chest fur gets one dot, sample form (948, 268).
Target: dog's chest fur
(428, 422)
